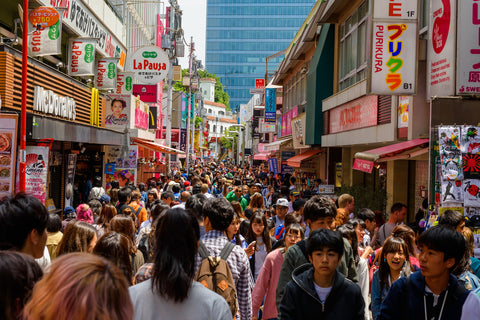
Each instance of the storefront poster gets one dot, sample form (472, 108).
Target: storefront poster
(403, 108)
(441, 48)
(125, 171)
(8, 145)
(141, 114)
(36, 172)
(69, 178)
(81, 57)
(124, 83)
(468, 48)
(471, 166)
(106, 73)
(449, 140)
(117, 112)
(452, 191)
(298, 131)
(470, 141)
(45, 40)
(472, 193)
(452, 167)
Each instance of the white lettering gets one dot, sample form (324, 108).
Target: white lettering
(46, 101)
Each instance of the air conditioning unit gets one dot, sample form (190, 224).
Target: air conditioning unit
(166, 42)
(179, 48)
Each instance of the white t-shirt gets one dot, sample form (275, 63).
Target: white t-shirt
(322, 292)
(260, 257)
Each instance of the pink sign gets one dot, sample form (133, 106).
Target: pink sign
(261, 147)
(141, 119)
(359, 113)
(287, 121)
(147, 93)
(363, 165)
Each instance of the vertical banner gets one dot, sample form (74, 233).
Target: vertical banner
(270, 105)
(36, 172)
(256, 123)
(69, 178)
(8, 146)
(106, 73)
(44, 38)
(152, 117)
(124, 83)
(183, 139)
(273, 165)
(441, 48)
(468, 48)
(298, 131)
(81, 57)
(403, 108)
(393, 65)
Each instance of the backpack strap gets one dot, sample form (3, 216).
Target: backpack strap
(203, 251)
(226, 250)
(138, 211)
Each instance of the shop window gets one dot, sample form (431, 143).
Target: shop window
(221, 129)
(353, 48)
(221, 113)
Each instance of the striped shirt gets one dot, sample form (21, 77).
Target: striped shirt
(239, 266)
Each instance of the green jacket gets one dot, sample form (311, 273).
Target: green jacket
(232, 197)
(296, 256)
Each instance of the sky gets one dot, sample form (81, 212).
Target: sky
(194, 24)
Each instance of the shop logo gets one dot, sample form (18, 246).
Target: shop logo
(128, 83)
(54, 31)
(395, 63)
(441, 25)
(111, 70)
(35, 164)
(88, 53)
(149, 54)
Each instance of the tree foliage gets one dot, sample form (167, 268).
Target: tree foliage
(229, 139)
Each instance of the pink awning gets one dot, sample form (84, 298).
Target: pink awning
(261, 156)
(296, 161)
(392, 150)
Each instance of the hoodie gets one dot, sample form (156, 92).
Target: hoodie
(301, 301)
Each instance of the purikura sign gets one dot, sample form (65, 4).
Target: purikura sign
(44, 38)
(106, 73)
(81, 57)
(150, 64)
(124, 83)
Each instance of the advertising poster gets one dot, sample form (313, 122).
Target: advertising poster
(106, 73)
(472, 193)
(298, 131)
(69, 178)
(44, 39)
(125, 165)
(403, 107)
(270, 105)
(81, 57)
(8, 145)
(117, 112)
(141, 114)
(124, 83)
(36, 172)
(452, 191)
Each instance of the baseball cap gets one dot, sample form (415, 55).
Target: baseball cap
(186, 183)
(282, 202)
(68, 210)
(104, 199)
(295, 193)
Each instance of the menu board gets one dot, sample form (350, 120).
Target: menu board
(8, 145)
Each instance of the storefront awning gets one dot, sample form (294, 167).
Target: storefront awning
(296, 161)
(156, 147)
(274, 146)
(261, 156)
(391, 152)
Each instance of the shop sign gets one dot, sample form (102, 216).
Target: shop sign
(468, 48)
(287, 121)
(260, 84)
(46, 40)
(36, 172)
(141, 114)
(147, 93)
(261, 147)
(356, 114)
(48, 102)
(270, 105)
(8, 145)
(124, 83)
(363, 165)
(399, 9)
(106, 73)
(81, 57)
(326, 189)
(117, 112)
(150, 64)
(403, 107)
(152, 117)
(298, 131)
(83, 22)
(286, 169)
(256, 123)
(394, 58)
(273, 165)
(43, 17)
(69, 178)
(265, 127)
(287, 155)
(441, 48)
(183, 139)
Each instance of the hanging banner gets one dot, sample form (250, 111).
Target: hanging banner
(117, 112)
(468, 48)
(270, 105)
(69, 179)
(442, 32)
(44, 40)
(124, 83)
(36, 172)
(298, 131)
(403, 106)
(183, 139)
(106, 73)
(150, 64)
(81, 57)
(8, 146)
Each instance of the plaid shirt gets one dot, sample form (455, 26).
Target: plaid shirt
(239, 266)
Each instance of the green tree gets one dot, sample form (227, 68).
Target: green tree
(229, 139)
(198, 120)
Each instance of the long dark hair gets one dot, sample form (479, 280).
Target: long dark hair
(348, 232)
(116, 248)
(176, 237)
(259, 217)
(392, 245)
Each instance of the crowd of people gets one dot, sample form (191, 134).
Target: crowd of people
(230, 243)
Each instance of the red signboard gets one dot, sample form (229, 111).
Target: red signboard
(43, 16)
(259, 83)
(147, 92)
(356, 114)
(363, 165)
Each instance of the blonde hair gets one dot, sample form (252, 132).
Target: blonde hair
(344, 199)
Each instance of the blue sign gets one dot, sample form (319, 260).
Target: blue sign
(270, 105)
(286, 169)
(273, 165)
(109, 168)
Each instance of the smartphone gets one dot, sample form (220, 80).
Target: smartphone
(252, 243)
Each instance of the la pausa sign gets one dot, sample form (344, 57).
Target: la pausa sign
(150, 65)
(48, 102)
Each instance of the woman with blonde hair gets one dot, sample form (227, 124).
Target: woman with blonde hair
(256, 204)
(107, 214)
(80, 286)
(78, 236)
(238, 210)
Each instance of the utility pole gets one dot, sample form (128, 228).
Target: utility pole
(190, 107)
(171, 32)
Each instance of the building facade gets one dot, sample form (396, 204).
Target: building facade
(241, 34)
